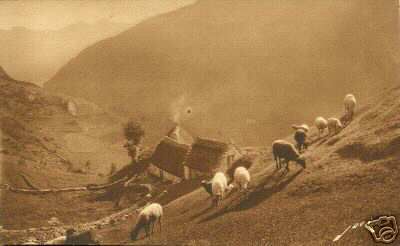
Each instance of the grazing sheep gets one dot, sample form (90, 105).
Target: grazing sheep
(334, 126)
(321, 123)
(219, 185)
(282, 149)
(246, 160)
(300, 136)
(350, 103)
(147, 218)
(207, 186)
(241, 178)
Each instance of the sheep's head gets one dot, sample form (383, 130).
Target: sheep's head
(207, 186)
(141, 222)
(134, 234)
(204, 183)
(302, 161)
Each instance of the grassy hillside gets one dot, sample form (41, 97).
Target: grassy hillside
(270, 63)
(349, 178)
(42, 142)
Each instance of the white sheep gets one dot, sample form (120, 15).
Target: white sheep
(321, 123)
(219, 184)
(350, 103)
(285, 152)
(241, 178)
(334, 126)
(147, 218)
(304, 127)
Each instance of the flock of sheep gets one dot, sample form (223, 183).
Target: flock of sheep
(283, 152)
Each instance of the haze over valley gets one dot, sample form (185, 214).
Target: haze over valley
(213, 122)
(270, 64)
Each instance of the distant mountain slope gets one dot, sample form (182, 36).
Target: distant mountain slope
(249, 69)
(36, 56)
(43, 142)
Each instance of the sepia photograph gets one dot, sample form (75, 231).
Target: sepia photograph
(200, 122)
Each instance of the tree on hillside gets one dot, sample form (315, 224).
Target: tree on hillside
(134, 133)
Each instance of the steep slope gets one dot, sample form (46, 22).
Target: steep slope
(49, 50)
(349, 178)
(240, 60)
(40, 143)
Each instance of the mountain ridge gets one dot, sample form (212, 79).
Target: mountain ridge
(235, 59)
(48, 49)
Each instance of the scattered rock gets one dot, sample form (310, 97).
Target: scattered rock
(80, 238)
(31, 240)
(58, 240)
(54, 221)
(56, 234)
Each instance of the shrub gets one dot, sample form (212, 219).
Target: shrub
(134, 132)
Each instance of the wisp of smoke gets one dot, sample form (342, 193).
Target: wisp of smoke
(179, 110)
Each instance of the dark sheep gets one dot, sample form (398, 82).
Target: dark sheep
(285, 152)
(300, 136)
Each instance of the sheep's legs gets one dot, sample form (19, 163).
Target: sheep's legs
(298, 147)
(159, 223)
(152, 227)
(278, 162)
(217, 200)
(302, 147)
(350, 117)
(287, 165)
(147, 229)
(214, 202)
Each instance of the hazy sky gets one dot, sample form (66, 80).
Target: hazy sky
(55, 14)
